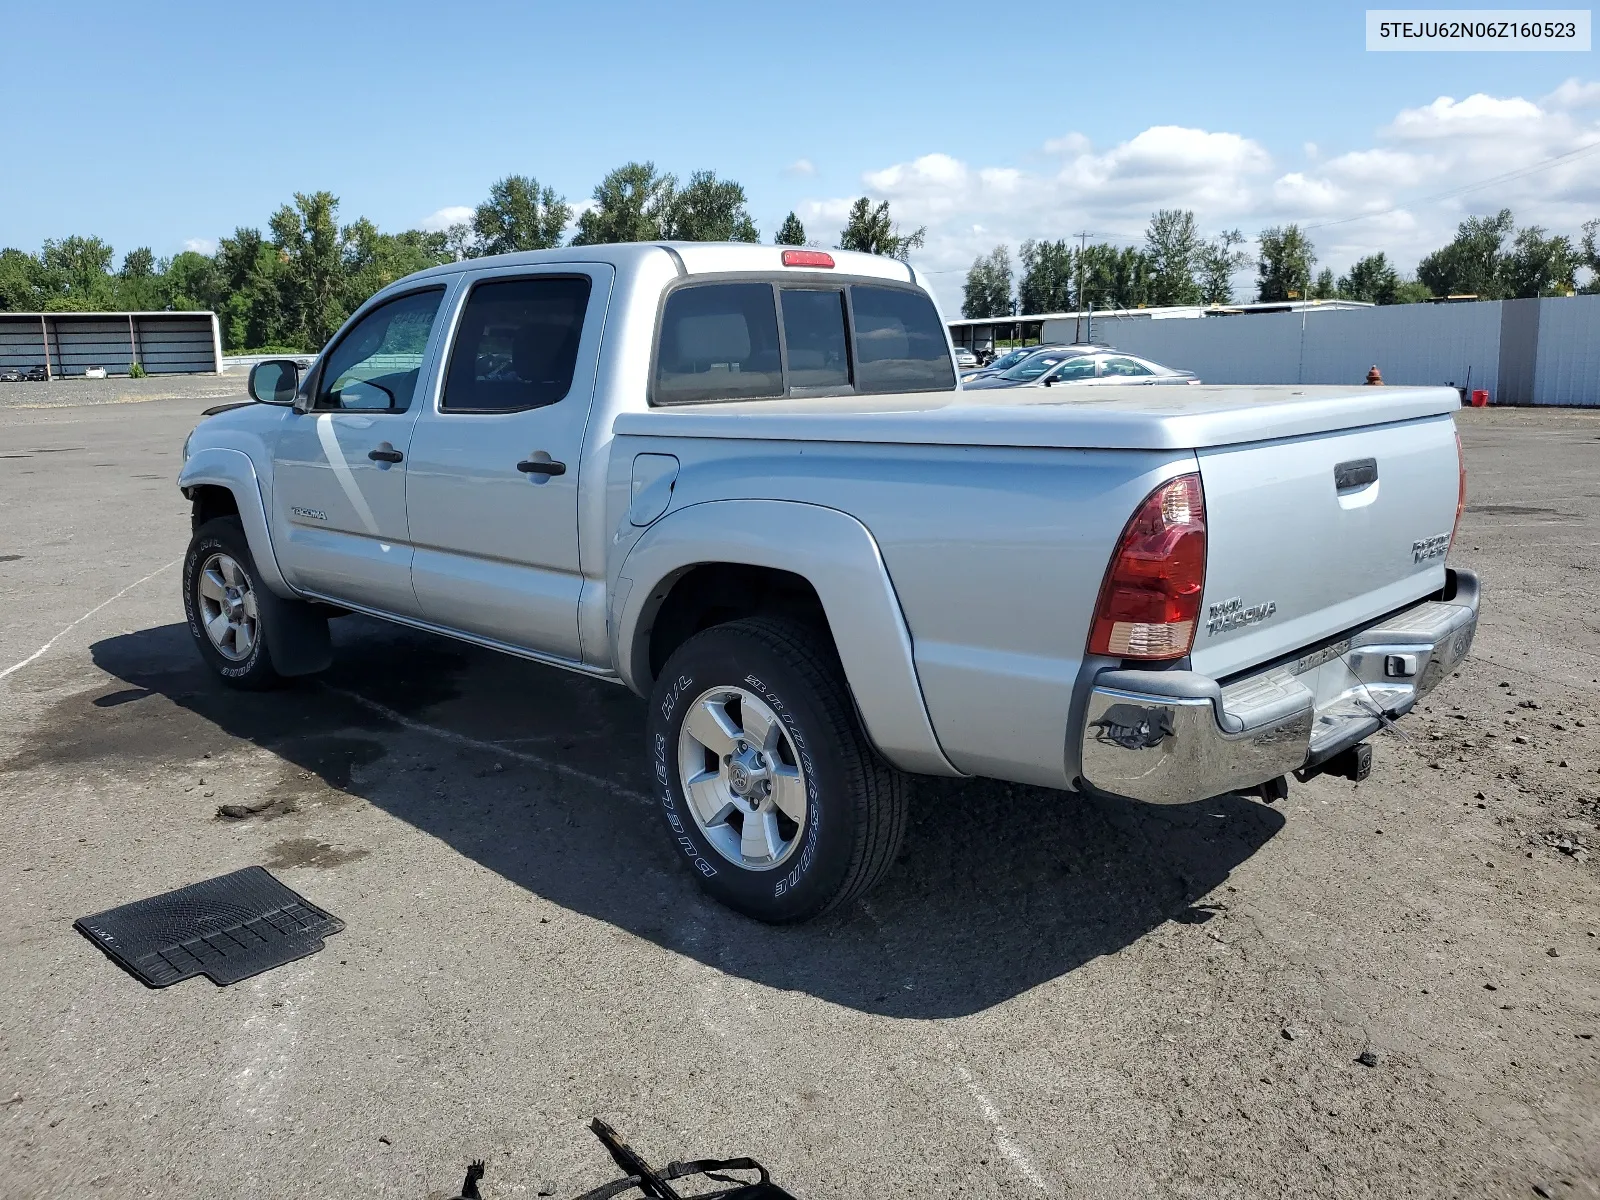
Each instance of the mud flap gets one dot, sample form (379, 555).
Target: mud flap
(297, 635)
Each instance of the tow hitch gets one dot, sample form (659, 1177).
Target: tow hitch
(1353, 763)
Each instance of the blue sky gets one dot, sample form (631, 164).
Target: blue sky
(987, 123)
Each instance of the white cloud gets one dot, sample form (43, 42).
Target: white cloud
(1574, 94)
(201, 245)
(801, 168)
(451, 214)
(1392, 186)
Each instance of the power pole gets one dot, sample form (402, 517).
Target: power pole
(1083, 242)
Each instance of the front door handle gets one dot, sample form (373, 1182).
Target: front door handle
(385, 456)
(535, 466)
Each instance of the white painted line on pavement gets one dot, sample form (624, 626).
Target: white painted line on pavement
(461, 739)
(68, 629)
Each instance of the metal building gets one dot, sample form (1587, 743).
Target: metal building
(69, 343)
(1543, 351)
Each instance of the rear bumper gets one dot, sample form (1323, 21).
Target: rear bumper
(1170, 737)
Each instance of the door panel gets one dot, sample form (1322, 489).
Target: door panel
(496, 546)
(339, 514)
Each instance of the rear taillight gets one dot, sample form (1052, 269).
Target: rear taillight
(807, 258)
(1461, 488)
(1150, 601)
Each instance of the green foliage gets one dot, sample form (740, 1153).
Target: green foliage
(520, 215)
(1324, 287)
(1372, 279)
(1283, 271)
(1412, 291)
(631, 204)
(1471, 264)
(1479, 262)
(1047, 277)
(791, 232)
(710, 210)
(136, 370)
(1113, 277)
(872, 231)
(1172, 247)
(1216, 262)
(988, 288)
(1589, 254)
(287, 351)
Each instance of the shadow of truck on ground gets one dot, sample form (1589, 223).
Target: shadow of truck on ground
(998, 888)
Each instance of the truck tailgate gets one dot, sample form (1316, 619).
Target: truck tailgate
(1307, 537)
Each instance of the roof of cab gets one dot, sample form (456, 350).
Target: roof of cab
(698, 258)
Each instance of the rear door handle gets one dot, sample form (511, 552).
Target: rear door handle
(534, 466)
(385, 456)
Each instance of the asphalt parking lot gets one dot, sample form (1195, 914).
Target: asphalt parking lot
(1049, 995)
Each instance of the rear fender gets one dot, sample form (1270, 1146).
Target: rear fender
(838, 556)
(218, 466)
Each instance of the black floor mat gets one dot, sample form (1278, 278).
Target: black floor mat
(228, 928)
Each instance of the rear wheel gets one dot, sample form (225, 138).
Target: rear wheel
(768, 783)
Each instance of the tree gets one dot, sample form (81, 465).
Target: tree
(22, 281)
(1589, 255)
(1324, 288)
(1473, 263)
(791, 232)
(137, 287)
(988, 287)
(1113, 278)
(1372, 279)
(251, 310)
(306, 236)
(1172, 246)
(1283, 271)
(709, 210)
(78, 271)
(1540, 266)
(1217, 261)
(1412, 291)
(872, 231)
(631, 204)
(1047, 280)
(520, 215)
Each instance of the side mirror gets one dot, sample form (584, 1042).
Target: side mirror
(274, 381)
(1049, 381)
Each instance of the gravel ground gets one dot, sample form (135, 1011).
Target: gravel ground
(1367, 990)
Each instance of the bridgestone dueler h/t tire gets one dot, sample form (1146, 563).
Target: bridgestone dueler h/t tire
(856, 803)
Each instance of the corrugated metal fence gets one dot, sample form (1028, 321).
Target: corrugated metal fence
(164, 343)
(1519, 351)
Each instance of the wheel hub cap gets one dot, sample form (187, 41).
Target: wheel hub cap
(745, 787)
(226, 607)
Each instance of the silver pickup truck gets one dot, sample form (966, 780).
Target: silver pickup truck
(744, 482)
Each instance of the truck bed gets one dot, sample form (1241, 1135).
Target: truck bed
(1109, 417)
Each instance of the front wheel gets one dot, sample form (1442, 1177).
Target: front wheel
(769, 785)
(223, 601)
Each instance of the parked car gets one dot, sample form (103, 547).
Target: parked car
(37, 375)
(1082, 365)
(965, 359)
(826, 565)
(1003, 362)
(11, 375)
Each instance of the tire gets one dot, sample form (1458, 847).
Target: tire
(221, 541)
(803, 859)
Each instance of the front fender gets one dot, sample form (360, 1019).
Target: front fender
(840, 559)
(219, 466)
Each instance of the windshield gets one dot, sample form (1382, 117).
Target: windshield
(1037, 364)
(1011, 358)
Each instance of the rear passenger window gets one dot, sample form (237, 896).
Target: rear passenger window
(517, 344)
(813, 333)
(900, 342)
(719, 342)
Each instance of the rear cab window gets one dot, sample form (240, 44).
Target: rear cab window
(753, 340)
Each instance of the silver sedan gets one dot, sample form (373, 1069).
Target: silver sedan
(1079, 365)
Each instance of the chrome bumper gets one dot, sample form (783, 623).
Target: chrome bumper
(1170, 737)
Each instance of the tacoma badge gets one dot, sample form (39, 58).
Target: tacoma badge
(1232, 614)
(1430, 547)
